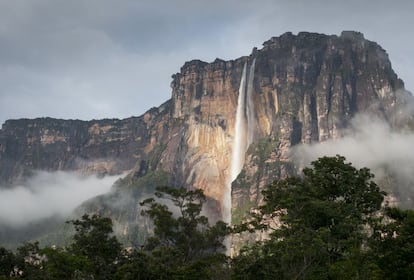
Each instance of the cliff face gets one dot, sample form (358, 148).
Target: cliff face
(305, 89)
(300, 89)
(107, 146)
(316, 84)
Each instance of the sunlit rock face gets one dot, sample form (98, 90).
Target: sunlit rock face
(108, 146)
(304, 89)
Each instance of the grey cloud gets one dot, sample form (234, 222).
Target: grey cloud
(106, 58)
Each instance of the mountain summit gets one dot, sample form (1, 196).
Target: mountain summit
(228, 128)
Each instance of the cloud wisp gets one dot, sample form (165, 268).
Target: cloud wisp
(49, 194)
(370, 142)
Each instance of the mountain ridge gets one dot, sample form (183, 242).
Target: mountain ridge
(304, 88)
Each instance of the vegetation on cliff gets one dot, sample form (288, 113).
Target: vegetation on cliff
(333, 224)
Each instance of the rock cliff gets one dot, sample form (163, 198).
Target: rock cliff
(301, 88)
(109, 146)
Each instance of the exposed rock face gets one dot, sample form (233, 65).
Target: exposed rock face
(306, 88)
(107, 146)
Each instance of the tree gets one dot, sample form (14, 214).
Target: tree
(62, 264)
(29, 261)
(184, 244)
(138, 266)
(7, 263)
(94, 240)
(326, 218)
(393, 244)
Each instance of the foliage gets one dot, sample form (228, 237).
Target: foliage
(184, 243)
(155, 157)
(393, 244)
(184, 246)
(29, 261)
(331, 227)
(94, 241)
(326, 217)
(63, 264)
(241, 212)
(7, 262)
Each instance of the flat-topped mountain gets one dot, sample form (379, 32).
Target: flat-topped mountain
(227, 129)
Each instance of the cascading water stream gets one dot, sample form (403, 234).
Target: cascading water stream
(243, 137)
(251, 123)
(239, 130)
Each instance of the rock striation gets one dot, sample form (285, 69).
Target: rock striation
(305, 88)
(108, 146)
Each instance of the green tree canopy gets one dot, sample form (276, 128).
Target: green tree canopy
(326, 218)
(393, 244)
(94, 240)
(184, 244)
(330, 226)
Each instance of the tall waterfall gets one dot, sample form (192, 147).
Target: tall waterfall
(243, 136)
(243, 130)
(251, 120)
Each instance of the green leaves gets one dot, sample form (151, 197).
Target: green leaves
(94, 241)
(184, 245)
(187, 231)
(393, 244)
(332, 227)
(326, 215)
(8, 262)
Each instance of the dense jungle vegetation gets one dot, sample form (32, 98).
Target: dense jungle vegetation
(332, 221)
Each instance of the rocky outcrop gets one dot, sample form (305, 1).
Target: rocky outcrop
(305, 88)
(109, 146)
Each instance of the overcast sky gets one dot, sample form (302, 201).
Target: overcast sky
(114, 58)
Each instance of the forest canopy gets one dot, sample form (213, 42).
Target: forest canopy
(333, 224)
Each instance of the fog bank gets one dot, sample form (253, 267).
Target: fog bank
(49, 194)
(369, 142)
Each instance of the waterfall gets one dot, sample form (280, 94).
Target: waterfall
(239, 143)
(243, 137)
(244, 128)
(251, 123)
(239, 138)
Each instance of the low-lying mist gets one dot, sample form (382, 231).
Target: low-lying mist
(49, 194)
(370, 142)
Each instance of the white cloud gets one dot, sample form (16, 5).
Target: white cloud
(370, 142)
(48, 195)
